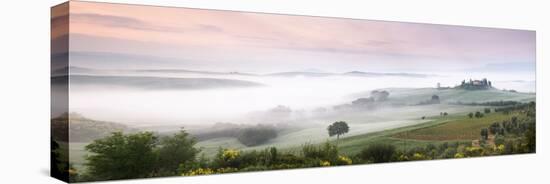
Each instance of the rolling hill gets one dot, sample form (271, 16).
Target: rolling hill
(412, 96)
(160, 82)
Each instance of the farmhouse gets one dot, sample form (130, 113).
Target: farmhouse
(475, 84)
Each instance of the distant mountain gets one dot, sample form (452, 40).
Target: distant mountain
(305, 74)
(82, 129)
(194, 72)
(160, 82)
(352, 73)
(375, 74)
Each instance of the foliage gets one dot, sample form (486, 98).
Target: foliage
(484, 134)
(122, 156)
(338, 128)
(59, 168)
(378, 153)
(326, 151)
(343, 160)
(177, 149)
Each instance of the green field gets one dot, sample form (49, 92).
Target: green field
(458, 128)
(412, 96)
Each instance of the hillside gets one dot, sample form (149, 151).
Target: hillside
(82, 129)
(412, 96)
(160, 82)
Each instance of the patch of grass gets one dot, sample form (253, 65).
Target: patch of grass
(464, 128)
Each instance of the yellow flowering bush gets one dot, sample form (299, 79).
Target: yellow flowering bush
(473, 151)
(324, 163)
(230, 154)
(199, 171)
(501, 148)
(403, 158)
(418, 156)
(344, 160)
(459, 155)
(226, 170)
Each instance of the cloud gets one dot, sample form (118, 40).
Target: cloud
(137, 24)
(121, 22)
(509, 67)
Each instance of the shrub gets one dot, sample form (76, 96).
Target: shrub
(324, 163)
(326, 151)
(448, 153)
(499, 140)
(473, 151)
(378, 153)
(199, 171)
(227, 158)
(122, 156)
(419, 156)
(343, 160)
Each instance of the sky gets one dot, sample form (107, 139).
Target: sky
(111, 36)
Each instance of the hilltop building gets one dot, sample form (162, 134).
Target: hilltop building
(476, 84)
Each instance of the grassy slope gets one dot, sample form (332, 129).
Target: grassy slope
(413, 96)
(458, 128)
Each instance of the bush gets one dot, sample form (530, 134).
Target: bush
(122, 156)
(378, 153)
(175, 150)
(448, 153)
(499, 140)
(343, 160)
(327, 152)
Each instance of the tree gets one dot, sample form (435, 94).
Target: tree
(487, 110)
(338, 128)
(122, 156)
(531, 139)
(478, 114)
(177, 149)
(484, 134)
(435, 99)
(58, 167)
(379, 95)
(471, 115)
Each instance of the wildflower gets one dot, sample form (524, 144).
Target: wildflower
(199, 171)
(324, 163)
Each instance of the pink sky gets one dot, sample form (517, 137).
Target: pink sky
(227, 40)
